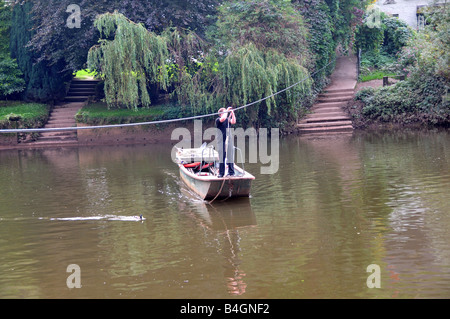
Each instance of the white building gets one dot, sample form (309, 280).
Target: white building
(409, 11)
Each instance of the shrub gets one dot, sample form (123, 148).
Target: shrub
(11, 80)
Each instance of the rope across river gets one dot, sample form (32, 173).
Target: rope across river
(59, 129)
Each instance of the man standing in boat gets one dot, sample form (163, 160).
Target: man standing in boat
(225, 144)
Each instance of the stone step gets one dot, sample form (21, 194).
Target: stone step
(62, 134)
(63, 112)
(324, 124)
(325, 119)
(334, 94)
(56, 142)
(321, 133)
(327, 114)
(81, 89)
(337, 128)
(56, 120)
(350, 91)
(328, 104)
(76, 98)
(83, 93)
(61, 119)
(327, 109)
(334, 99)
(57, 138)
(60, 125)
(84, 83)
(64, 106)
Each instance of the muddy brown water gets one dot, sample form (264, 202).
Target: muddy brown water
(335, 206)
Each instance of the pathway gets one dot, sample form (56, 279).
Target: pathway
(63, 115)
(327, 113)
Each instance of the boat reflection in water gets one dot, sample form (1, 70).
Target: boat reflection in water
(225, 220)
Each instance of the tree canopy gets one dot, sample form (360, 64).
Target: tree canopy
(53, 41)
(202, 53)
(132, 60)
(11, 80)
(43, 82)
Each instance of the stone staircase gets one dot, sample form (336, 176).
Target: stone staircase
(81, 90)
(63, 115)
(328, 114)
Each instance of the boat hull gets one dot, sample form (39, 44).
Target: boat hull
(210, 187)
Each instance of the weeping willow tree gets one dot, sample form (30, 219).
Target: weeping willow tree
(249, 75)
(130, 59)
(188, 70)
(199, 76)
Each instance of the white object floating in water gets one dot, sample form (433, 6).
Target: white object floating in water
(104, 217)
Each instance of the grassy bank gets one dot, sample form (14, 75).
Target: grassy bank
(99, 114)
(376, 75)
(28, 115)
(18, 114)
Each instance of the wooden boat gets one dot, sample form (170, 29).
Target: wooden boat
(198, 170)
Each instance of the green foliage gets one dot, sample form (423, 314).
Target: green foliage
(200, 78)
(389, 36)
(407, 101)
(5, 25)
(376, 75)
(376, 60)
(396, 34)
(53, 41)
(375, 65)
(346, 15)
(423, 96)
(261, 47)
(44, 82)
(321, 43)
(190, 70)
(132, 60)
(370, 38)
(380, 44)
(100, 114)
(85, 74)
(432, 45)
(249, 75)
(268, 24)
(10, 77)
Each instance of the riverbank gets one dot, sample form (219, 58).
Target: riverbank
(361, 119)
(162, 133)
(170, 133)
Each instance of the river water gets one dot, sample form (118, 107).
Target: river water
(336, 206)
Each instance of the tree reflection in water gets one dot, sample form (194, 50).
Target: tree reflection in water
(226, 219)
